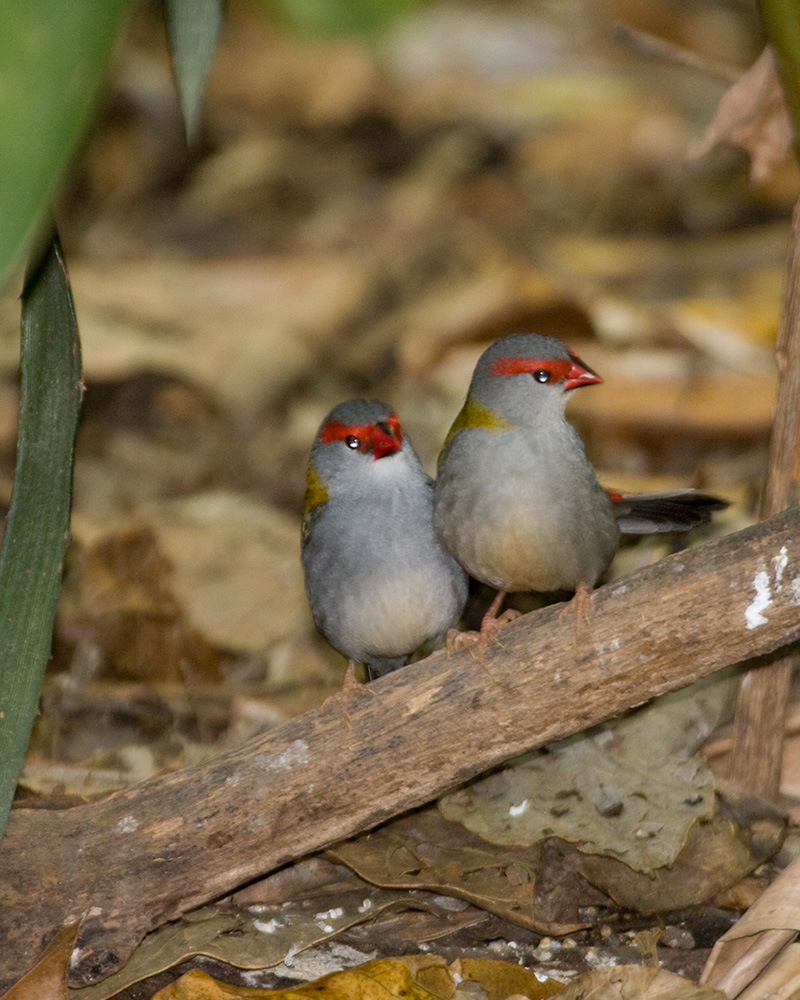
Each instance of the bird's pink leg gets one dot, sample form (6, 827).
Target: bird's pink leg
(491, 624)
(350, 687)
(580, 604)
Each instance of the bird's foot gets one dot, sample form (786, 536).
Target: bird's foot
(472, 640)
(350, 688)
(491, 623)
(455, 640)
(580, 606)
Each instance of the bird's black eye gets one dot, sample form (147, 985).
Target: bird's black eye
(352, 441)
(542, 375)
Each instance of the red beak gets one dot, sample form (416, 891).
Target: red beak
(580, 374)
(386, 439)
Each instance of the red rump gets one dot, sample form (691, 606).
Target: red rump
(571, 372)
(381, 438)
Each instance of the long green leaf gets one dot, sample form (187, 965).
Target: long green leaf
(37, 532)
(53, 56)
(782, 21)
(193, 26)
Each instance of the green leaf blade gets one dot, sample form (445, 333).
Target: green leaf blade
(37, 532)
(782, 21)
(193, 26)
(53, 57)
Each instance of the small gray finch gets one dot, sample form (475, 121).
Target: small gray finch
(379, 583)
(517, 501)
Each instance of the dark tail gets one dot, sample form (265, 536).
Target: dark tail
(675, 510)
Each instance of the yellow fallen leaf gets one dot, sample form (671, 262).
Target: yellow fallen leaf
(411, 977)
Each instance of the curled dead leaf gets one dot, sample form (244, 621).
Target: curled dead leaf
(752, 115)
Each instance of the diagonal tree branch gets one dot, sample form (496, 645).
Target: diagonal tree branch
(128, 863)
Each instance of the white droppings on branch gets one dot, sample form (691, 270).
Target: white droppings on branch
(780, 562)
(767, 589)
(753, 612)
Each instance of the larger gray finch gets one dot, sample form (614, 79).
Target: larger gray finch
(517, 501)
(379, 583)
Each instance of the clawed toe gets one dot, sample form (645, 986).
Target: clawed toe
(455, 641)
(350, 688)
(491, 623)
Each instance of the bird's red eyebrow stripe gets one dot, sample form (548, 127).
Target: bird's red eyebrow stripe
(558, 367)
(335, 430)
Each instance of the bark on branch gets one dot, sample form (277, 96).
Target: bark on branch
(128, 863)
(763, 695)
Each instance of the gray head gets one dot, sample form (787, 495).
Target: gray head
(353, 437)
(525, 377)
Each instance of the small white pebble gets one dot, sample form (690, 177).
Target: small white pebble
(268, 926)
(595, 961)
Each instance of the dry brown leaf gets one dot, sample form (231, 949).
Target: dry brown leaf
(47, 980)
(236, 568)
(712, 859)
(770, 924)
(425, 851)
(546, 886)
(242, 328)
(752, 115)
(629, 982)
(278, 918)
(780, 980)
(118, 600)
